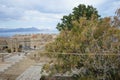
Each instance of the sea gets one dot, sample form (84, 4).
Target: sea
(10, 34)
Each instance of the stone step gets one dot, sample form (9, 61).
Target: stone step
(17, 69)
(4, 67)
(9, 62)
(32, 73)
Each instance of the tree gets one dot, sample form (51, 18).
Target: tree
(78, 12)
(66, 23)
(84, 11)
(85, 47)
(92, 38)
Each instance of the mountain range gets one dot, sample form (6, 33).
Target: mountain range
(21, 29)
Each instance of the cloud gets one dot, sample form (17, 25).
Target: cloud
(8, 13)
(16, 9)
(46, 13)
(47, 6)
(40, 16)
(109, 8)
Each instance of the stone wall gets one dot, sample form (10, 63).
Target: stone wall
(32, 41)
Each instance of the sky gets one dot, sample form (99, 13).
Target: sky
(45, 14)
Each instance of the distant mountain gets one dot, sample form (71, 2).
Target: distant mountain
(20, 29)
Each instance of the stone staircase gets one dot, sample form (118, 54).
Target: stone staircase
(4, 67)
(32, 73)
(9, 62)
(16, 69)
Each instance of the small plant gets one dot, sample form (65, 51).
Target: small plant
(9, 50)
(43, 77)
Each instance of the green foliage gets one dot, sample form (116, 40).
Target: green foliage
(9, 50)
(92, 47)
(87, 36)
(78, 12)
(43, 77)
(84, 11)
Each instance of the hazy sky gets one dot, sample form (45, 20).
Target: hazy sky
(46, 13)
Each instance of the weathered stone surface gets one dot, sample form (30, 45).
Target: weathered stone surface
(32, 73)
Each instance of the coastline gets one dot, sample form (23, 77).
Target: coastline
(10, 34)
